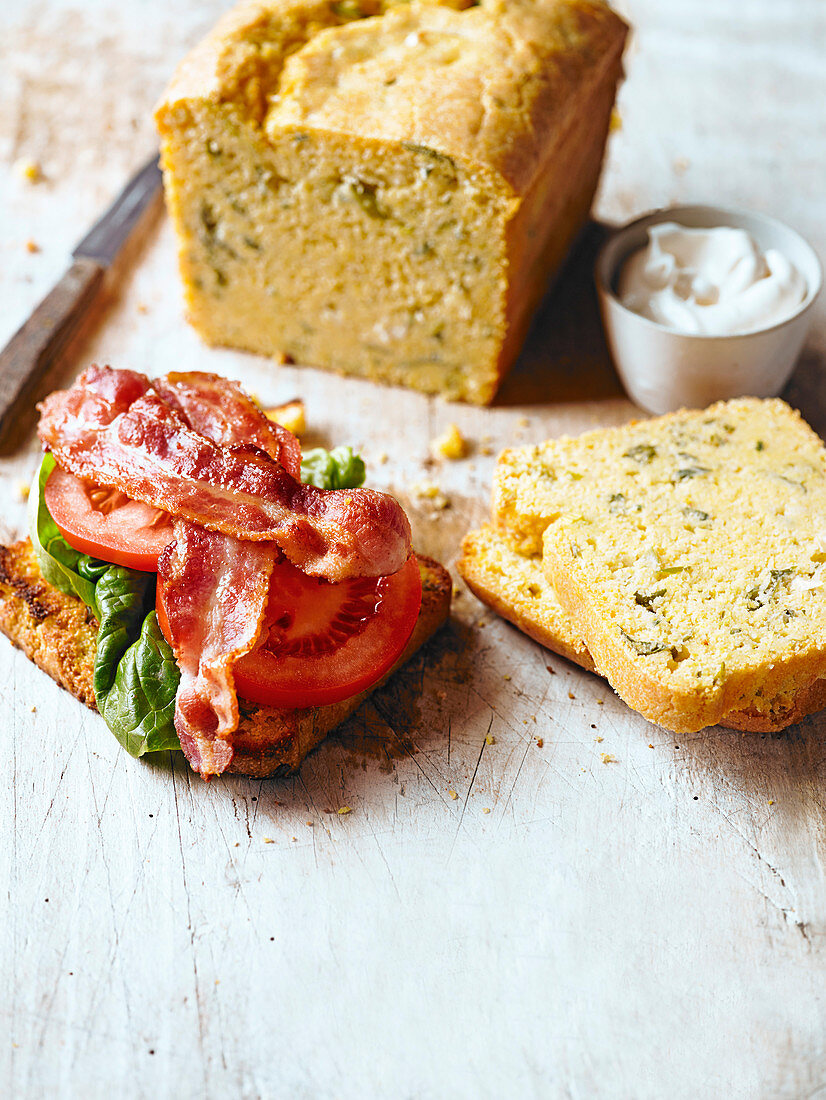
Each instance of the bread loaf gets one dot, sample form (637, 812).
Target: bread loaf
(383, 188)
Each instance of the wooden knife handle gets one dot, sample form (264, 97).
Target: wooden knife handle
(35, 346)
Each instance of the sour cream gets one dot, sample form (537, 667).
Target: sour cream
(709, 282)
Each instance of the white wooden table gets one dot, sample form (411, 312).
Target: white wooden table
(651, 927)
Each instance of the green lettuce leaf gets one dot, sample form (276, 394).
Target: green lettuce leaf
(336, 469)
(61, 565)
(139, 704)
(136, 676)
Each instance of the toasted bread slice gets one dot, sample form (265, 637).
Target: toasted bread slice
(515, 586)
(59, 634)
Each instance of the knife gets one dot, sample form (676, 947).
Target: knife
(34, 348)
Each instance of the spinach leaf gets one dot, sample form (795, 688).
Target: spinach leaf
(139, 706)
(61, 565)
(135, 681)
(336, 469)
(135, 676)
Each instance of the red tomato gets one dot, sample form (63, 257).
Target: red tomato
(105, 523)
(325, 642)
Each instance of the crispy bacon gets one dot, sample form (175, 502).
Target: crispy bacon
(113, 428)
(220, 410)
(214, 590)
(214, 587)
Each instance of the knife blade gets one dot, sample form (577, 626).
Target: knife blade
(32, 351)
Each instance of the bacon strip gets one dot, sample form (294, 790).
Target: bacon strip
(113, 428)
(214, 590)
(215, 587)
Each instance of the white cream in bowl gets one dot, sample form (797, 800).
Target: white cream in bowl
(702, 303)
(711, 282)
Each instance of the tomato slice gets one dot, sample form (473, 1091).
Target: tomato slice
(105, 523)
(325, 642)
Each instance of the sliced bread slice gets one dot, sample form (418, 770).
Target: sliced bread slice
(688, 551)
(515, 586)
(59, 634)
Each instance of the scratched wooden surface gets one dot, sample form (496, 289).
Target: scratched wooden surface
(650, 927)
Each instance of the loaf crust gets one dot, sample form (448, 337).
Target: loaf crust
(515, 587)
(59, 634)
(385, 188)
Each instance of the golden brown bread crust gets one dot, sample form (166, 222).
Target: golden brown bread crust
(59, 634)
(514, 586)
(534, 62)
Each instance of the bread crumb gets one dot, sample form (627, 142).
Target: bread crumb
(28, 170)
(310, 823)
(486, 809)
(523, 421)
(143, 307)
(32, 246)
(23, 489)
(506, 676)
(571, 695)
(453, 795)
(345, 810)
(607, 758)
(427, 490)
(599, 740)
(295, 838)
(381, 458)
(34, 710)
(600, 702)
(616, 121)
(486, 450)
(268, 840)
(771, 801)
(290, 415)
(540, 741)
(451, 444)
(681, 164)
(490, 740)
(650, 745)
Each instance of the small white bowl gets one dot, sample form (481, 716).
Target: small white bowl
(663, 370)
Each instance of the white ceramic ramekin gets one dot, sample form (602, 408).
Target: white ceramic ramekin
(663, 370)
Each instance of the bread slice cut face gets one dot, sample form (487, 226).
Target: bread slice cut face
(688, 553)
